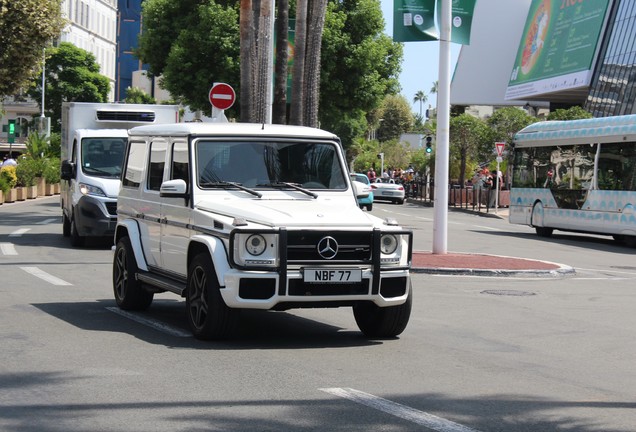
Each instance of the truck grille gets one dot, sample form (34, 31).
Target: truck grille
(352, 246)
(112, 208)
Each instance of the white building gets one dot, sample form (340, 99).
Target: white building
(93, 27)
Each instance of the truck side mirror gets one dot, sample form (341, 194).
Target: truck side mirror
(67, 171)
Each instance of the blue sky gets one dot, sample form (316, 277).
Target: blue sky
(420, 66)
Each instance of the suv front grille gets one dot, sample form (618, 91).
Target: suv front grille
(353, 246)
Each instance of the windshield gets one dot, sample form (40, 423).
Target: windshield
(310, 165)
(103, 157)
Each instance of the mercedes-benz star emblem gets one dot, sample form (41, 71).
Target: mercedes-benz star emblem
(327, 247)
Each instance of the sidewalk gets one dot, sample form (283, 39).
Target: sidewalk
(481, 264)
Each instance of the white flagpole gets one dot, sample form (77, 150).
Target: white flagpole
(440, 221)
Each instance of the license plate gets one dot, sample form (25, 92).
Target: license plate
(332, 275)
(387, 193)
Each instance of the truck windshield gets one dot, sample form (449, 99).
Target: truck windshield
(270, 165)
(103, 157)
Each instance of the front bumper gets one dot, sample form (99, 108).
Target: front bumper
(95, 216)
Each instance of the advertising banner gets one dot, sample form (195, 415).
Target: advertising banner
(414, 20)
(557, 47)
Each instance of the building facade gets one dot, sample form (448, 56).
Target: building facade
(93, 27)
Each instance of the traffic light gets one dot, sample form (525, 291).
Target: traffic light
(429, 144)
(11, 132)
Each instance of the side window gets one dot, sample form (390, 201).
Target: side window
(156, 165)
(134, 164)
(179, 168)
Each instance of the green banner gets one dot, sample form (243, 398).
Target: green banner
(462, 19)
(557, 46)
(414, 20)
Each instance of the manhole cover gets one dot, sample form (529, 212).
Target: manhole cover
(509, 293)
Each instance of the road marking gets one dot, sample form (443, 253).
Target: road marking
(18, 233)
(487, 228)
(47, 221)
(402, 411)
(8, 249)
(45, 276)
(157, 325)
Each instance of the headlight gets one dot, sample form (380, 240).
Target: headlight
(255, 244)
(254, 249)
(388, 244)
(87, 189)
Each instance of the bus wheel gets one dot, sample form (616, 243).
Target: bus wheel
(537, 221)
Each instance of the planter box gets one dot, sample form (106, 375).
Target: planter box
(32, 192)
(41, 185)
(12, 196)
(20, 193)
(49, 189)
(1, 197)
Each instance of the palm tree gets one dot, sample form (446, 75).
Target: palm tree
(421, 98)
(434, 88)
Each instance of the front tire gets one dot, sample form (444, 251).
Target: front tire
(129, 294)
(208, 315)
(66, 226)
(76, 239)
(383, 322)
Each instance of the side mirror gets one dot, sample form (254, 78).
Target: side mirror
(67, 170)
(174, 189)
(360, 189)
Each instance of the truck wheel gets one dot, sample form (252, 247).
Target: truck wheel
(208, 315)
(66, 226)
(129, 294)
(383, 322)
(76, 239)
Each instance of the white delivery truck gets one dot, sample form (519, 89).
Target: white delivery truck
(94, 137)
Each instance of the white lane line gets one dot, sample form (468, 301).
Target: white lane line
(487, 228)
(47, 221)
(18, 233)
(45, 276)
(8, 249)
(402, 411)
(157, 325)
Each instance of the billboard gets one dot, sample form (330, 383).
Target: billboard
(558, 47)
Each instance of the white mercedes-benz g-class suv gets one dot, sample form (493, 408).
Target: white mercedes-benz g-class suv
(238, 216)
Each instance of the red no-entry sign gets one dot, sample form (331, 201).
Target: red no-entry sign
(222, 96)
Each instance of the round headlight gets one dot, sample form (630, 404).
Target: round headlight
(388, 244)
(255, 244)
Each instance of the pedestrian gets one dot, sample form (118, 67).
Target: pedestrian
(371, 175)
(9, 161)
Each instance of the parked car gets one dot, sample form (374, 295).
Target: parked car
(368, 201)
(388, 189)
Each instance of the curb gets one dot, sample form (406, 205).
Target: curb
(562, 271)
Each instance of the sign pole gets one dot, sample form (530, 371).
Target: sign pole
(499, 146)
(440, 221)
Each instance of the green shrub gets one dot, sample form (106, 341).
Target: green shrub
(51, 172)
(4, 186)
(8, 174)
(37, 145)
(27, 171)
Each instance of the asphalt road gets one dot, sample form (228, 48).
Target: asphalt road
(479, 354)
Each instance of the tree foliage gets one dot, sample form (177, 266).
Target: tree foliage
(467, 135)
(573, 113)
(71, 75)
(136, 95)
(26, 28)
(192, 44)
(396, 117)
(360, 65)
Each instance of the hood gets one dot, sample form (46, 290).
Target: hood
(320, 212)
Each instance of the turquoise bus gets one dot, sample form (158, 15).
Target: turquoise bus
(576, 175)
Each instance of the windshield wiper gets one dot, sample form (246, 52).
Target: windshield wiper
(295, 186)
(226, 184)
